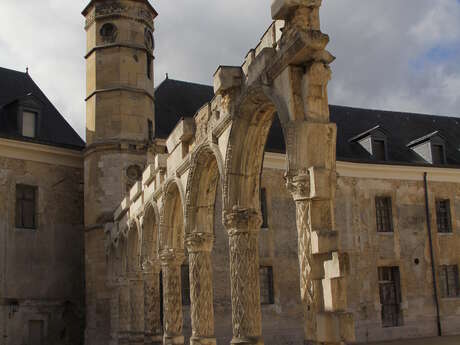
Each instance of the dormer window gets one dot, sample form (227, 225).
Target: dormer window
(431, 148)
(29, 124)
(374, 141)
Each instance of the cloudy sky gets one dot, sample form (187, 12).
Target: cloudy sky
(391, 54)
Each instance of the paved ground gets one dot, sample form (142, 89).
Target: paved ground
(455, 340)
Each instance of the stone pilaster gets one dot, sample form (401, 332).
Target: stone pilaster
(171, 261)
(152, 322)
(136, 289)
(243, 226)
(199, 247)
(124, 309)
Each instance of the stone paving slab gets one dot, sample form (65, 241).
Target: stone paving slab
(453, 340)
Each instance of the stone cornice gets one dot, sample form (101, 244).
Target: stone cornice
(376, 171)
(121, 88)
(40, 153)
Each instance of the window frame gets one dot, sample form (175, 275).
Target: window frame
(438, 201)
(444, 271)
(271, 285)
(35, 210)
(395, 278)
(20, 115)
(390, 220)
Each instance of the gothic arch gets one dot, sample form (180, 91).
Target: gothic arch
(133, 247)
(150, 233)
(206, 172)
(172, 216)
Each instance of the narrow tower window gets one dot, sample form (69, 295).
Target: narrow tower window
(150, 127)
(149, 66)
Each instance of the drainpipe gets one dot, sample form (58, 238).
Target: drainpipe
(433, 272)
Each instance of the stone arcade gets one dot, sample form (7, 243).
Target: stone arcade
(166, 215)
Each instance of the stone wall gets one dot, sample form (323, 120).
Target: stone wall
(42, 270)
(407, 247)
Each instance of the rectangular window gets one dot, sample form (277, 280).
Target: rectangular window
(384, 214)
(36, 332)
(390, 296)
(437, 154)
(26, 207)
(379, 150)
(29, 120)
(149, 66)
(150, 127)
(449, 281)
(266, 285)
(263, 207)
(443, 216)
(185, 283)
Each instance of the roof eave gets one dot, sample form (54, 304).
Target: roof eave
(86, 9)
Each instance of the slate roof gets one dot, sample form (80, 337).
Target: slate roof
(177, 99)
(54, 129)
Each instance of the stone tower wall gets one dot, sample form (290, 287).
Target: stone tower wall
(119, 108)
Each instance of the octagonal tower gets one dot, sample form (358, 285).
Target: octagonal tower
(119, 129)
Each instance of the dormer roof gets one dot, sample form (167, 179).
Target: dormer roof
(18, 88)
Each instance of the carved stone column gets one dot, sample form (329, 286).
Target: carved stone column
(152, 322)
(124, 309)
(171, 261)
(199, 247)
(136, 287)
(243, 226)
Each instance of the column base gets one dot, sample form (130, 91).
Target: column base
(247, 341)
(176, 340)
(202, 341)
(150, 339)
(136, 338)
(123, 338)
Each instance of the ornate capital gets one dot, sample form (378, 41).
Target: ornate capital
(199, 242)
(299, 185)
(242, 220)
(172, 257)
(150, 266)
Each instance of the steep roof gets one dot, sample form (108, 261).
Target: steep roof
(54, 130)
(177, 99)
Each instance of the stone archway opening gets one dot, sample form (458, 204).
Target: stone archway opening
(200, 236)
(171, 257)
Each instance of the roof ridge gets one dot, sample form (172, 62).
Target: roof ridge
(411, 113)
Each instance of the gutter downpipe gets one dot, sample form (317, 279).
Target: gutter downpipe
(433, 272)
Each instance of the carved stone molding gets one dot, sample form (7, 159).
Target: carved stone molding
(199, 242)
(152, 320)
(242, 220)
(116, 9)
(299, 185)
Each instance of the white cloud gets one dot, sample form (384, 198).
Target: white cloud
(376, 43)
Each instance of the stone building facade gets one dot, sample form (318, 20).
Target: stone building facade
(41, 219)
